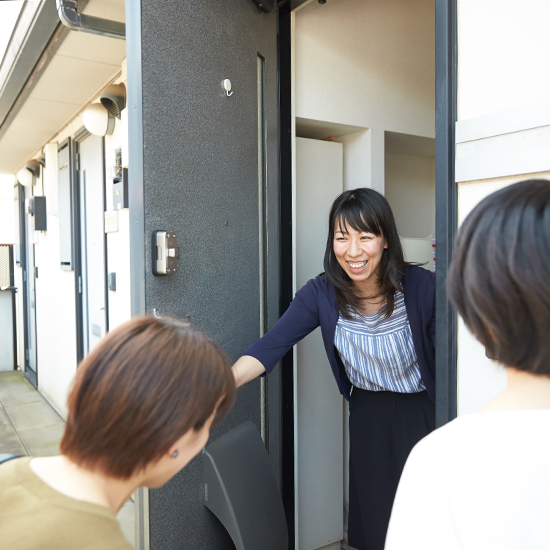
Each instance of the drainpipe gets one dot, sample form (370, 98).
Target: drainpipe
(67, 10)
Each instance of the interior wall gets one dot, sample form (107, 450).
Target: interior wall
(410, 189)
(479, 379)
(503, 55)
(319, 411)
(363, 159)
(370, 64)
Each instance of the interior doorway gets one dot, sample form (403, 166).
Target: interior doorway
(363, 79)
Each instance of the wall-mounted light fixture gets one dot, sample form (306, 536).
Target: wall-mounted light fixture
(98, 120)
(25, 175)
(113, 98)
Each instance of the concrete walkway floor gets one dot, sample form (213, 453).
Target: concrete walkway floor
(30, 426)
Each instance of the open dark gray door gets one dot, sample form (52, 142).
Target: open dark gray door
(207, 170)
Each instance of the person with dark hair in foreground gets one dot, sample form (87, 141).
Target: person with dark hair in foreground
(376, 314)
(141, 408)
(483, 480)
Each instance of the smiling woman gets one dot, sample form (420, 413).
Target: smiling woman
(9, 13)
(364, 243)
(377, 317)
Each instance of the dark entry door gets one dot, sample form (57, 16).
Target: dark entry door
(26, 232)
(210, 175)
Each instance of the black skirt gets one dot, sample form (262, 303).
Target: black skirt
(384, 427)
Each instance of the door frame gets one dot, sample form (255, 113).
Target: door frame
(446, 220)
(446, 225)
(75, 142)
(446, 203)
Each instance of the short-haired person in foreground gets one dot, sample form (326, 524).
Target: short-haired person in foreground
(140, 409)
(483, 480)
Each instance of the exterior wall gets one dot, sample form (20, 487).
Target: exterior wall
(7, 214)
(502, 134)
(410, 188)
(503, 55)
(118, 242)
(55, 301)
(55, 297)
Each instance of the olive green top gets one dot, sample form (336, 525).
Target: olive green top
(35, 516)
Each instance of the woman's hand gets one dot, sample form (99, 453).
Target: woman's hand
(246, 369)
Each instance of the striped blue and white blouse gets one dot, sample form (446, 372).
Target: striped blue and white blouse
(378, 353)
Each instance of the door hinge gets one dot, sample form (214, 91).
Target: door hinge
(79, 284)
(25, 276)
(26, 354)
(77, 159)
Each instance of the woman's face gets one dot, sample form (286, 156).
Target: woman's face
(358, 253)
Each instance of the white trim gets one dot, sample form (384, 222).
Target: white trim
(504, 122)
(505, 163)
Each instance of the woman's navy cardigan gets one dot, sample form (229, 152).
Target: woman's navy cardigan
(314, 305)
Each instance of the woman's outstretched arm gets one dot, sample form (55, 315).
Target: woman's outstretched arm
(246, 369)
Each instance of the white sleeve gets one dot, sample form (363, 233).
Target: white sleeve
(421, 518)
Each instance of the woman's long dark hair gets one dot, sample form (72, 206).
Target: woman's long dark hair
(366, 210)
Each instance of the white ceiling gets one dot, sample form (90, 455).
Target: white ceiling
(81, 67)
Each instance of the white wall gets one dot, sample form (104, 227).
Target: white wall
(370, 64)
(7, 214)
(55, 294)
(410, 189)
(55, 301)
(364, 159)
(319, 439)
(503, 59)
(118, 242)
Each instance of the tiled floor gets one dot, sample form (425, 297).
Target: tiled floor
(30, 426)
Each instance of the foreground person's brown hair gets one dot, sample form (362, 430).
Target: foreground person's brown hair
(145, 385)
(499, 279)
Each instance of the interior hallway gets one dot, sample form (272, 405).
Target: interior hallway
(30, 426)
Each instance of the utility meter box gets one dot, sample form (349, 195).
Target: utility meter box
(37, 208)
